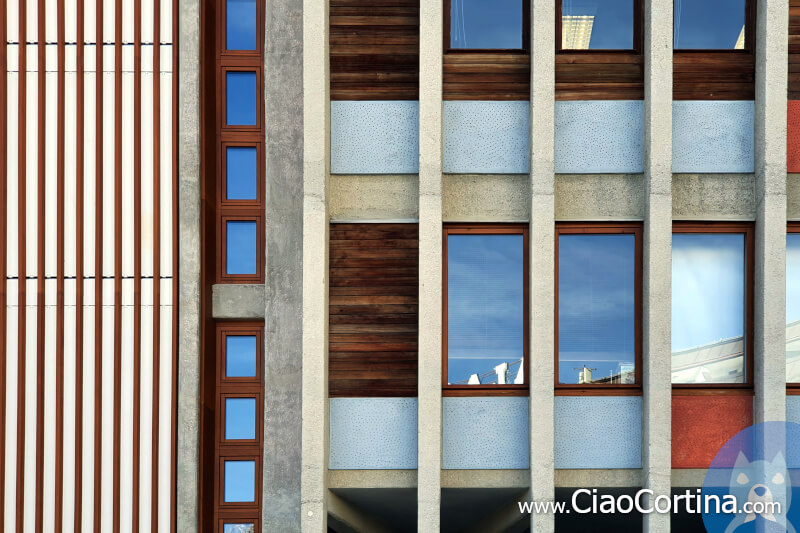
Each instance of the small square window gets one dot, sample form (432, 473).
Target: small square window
(240, 24)
(240, 481)
(240, 98)
(597, 24)
(240, 418)
(240, 356)
(241, 173)
(710, 24)
(485, 24)
(241, 246)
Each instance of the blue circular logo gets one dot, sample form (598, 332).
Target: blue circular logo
(753, 480)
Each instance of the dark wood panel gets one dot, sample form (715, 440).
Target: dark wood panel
(486, 76)
(599, 76)
(373, 319)
(374, 49)
(727, 75)
(794, 50)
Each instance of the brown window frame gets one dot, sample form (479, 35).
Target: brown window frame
(749, 35)
(638, 34)
(526, 34)
(604, 228)
(792, 387)
(488, 229)
(748, 230)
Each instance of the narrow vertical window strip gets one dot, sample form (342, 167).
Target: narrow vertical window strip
(137, 257)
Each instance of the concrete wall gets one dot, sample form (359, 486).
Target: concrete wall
(374, 197)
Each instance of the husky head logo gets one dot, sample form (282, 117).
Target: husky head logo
(761, 482)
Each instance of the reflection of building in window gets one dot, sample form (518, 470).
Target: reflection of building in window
(502, 374)
(740, 41)
(793, 352)
(625, 375)
(717, 362)
(576, 31)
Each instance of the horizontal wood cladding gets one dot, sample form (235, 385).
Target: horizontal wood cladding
(487, 76)
(724, 75)
(373, 318)
(374, 49)
(794, 49)
(599, 76)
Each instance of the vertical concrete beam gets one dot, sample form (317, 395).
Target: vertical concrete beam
(188, 266)
(542, 257)
(657, 276)
(283, 311)
(429, 456)
(316, 171)
(770, 165)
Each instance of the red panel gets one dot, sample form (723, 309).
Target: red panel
(702, 424)
(793, 137)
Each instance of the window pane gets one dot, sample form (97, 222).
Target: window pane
(239, 528)
(240, 25)
(709, 24)
(241, 98)
(241, 244)
(708, 300)
(486, 24)
(597, 24)
(240, 418)
(485, 309)
(240, 356)
(241, 172)
(596, 308)
(793, 308)
(240, 481)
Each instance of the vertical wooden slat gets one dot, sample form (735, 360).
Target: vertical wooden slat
(117, 256)
(156, 262)
(98, 267)
(3, 253)
(137, 254)
(40, 263)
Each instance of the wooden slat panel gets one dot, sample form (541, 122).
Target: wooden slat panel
(603, 76)
(713, 75)
(373, 320)
(793, 89)
(486, 76)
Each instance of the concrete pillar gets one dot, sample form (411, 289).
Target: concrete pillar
(430, 268)
(283, 308)
(542, 257)
(657, 276)
(772, 28)
(188, 465)
(316, 160)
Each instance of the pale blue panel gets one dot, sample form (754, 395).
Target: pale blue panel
(793, 415)
(373, 433)
(712, 136)
(486, 137)
(598, 432)
(375, 137)
(599, 137)
(485, 433)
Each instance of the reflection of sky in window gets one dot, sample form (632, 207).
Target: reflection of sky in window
(241, 247)
(613, 21)
(239, 528)
(240, 481)
(240, 418)
(240, 22)
(484, 303)
(792, 277)
(241, 98)
(486, 24)
(240, 170)
(596, 304)
(707, 288)
(240, 356)
(708, 24)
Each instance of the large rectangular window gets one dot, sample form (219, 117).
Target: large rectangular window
(599, 305)
(487, 25)
(711, 304)
(793, 305)
(486, 302)
(598, 24)
(711, 24)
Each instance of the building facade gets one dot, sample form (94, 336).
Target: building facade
(347, 265)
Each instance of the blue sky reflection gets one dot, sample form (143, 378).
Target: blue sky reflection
(612, 27)
(708, 24)
(483, 24)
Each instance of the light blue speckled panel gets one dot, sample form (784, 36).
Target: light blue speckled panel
(599, 137)
(712, 136)
(486, 137)
(485, 433)
(793, 415)
(375, 137)
(373, 433)
(598, 432)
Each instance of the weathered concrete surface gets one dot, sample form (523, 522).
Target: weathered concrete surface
(372, 479)
(238, 301)
(188, 467)
(370, 197)
(688, 477)
(485, 479)
(793, 196)
(621, 477)
(599, 197)
(713, 197)
(486, 198)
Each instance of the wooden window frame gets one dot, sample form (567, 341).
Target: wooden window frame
(222, 32)
(749, 35)
(222, 190)
(604, 228)
(487, 390)
(526, 34)
(238, 65)
(638, 34)
(222, 252)
(792, 388)
(748, 230)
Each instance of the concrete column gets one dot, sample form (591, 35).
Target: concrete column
(657, 275)
(316, 161)
(542, 257)
(770, 166)
(188, 305)
(283, 305)
(430, 269)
